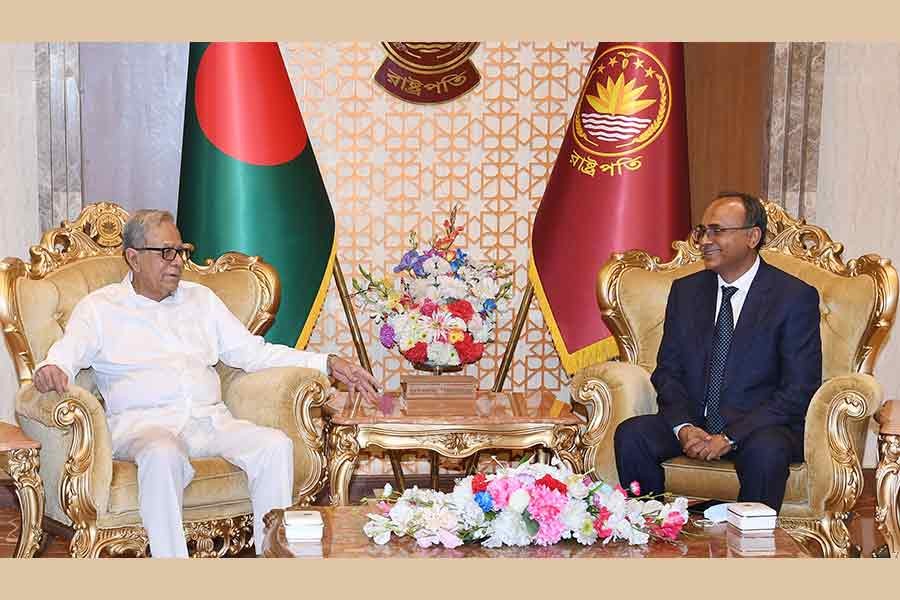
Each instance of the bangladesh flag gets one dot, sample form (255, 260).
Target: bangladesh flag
(249, 179)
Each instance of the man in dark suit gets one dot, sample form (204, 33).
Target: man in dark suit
(740, 358)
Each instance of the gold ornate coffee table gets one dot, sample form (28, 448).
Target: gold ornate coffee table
(452, 428)
(343, 537)
(23, 462)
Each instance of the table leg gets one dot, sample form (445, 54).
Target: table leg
(24, 465)
(471, 464)
(399, 479)
(343, 450)
(435, 469)
(887, 492)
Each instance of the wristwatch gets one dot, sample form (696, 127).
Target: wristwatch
(730, 441)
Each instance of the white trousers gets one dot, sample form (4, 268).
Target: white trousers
(164, 471)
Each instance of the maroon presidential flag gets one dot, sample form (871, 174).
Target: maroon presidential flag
(620, 182)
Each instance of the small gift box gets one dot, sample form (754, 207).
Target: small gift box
(751, 516)
(303, 525)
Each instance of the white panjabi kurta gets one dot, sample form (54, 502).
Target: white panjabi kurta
(153, 364)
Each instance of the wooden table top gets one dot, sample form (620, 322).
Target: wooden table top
(13, 438)
(344, 538)
(487, 408)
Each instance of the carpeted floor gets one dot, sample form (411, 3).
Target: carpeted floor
(862, 526)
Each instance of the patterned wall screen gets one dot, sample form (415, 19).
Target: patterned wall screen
(391, 166)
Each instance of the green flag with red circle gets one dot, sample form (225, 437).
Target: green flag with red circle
(249, 179)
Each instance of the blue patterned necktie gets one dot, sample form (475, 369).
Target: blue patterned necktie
(717, 360)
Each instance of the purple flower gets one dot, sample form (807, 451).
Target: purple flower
(407, 261)
(386, 335)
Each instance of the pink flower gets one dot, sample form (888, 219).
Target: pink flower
(621, 490)
(545, 507)
(384, 507)
(428, 307)
(501, 489)
(671, 526)
(635, 488)
(600, 523)
(550, 532)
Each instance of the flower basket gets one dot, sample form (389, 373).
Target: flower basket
(442, 309)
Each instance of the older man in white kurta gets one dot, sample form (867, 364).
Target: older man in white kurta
(152, 341)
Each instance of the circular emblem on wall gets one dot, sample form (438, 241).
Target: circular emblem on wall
(427, 72)
(624, 105)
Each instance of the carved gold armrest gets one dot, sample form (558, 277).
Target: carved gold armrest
(887, 476)
(611, 392)
(836, 423)
(85, 478)
(289, 399)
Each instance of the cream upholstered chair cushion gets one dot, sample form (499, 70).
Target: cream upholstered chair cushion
(857, 305)
(87, 489)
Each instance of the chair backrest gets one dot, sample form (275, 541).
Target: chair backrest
(81, 256)
(858, 299)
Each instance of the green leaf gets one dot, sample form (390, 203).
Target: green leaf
(530, 524)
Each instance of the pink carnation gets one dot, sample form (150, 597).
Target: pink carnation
(600, 523)
(550, 532)
(544, 507)
(501, 489)
(671, 526)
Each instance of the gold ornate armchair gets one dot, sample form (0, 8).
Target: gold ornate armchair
(85, 488)
(858, 301)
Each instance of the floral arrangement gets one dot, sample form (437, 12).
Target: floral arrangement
(522, 505)
(444, 309)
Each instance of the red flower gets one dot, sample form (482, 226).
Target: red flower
(553, 484)
(479, 483)
(468, 349)
(418, 353)
(461, 309)
(407, 302)
(600, 523)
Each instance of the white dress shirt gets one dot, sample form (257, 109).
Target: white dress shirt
(742, 284)
(154, 360)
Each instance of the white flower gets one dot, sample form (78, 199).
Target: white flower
(508, 528)
(402, 514)
(518, 500)
(585, 532)
(440, 353)
(577, 488)
(470, 514)
(436, 265)
(378, 528)
(437, 327)
(451, 287)
(486, 288)
(574, 513)
(387, 491)
(651, 506)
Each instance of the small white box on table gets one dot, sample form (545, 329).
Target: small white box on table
(303, 525)
(751, 516)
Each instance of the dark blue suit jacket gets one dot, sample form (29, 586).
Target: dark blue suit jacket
(774, 364)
